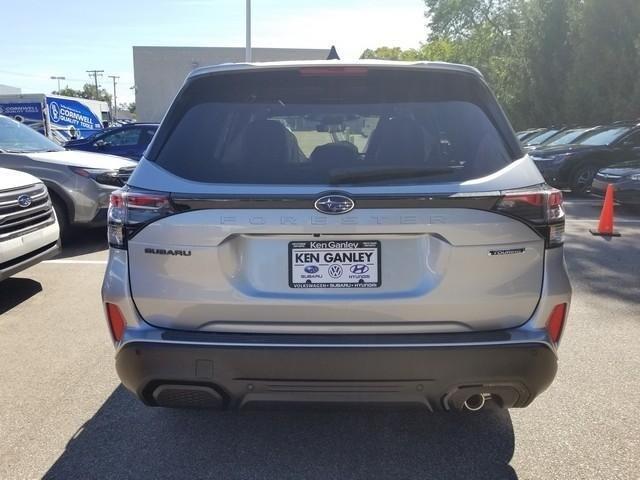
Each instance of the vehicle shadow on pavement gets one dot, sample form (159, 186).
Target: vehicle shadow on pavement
(84, 241)
(608, 269)
(127, 440)
(14, 291)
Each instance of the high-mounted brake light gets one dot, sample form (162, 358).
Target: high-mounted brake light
(130, 210)
(541, 208)
(333, 71)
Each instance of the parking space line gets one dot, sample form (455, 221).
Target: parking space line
(79, 262)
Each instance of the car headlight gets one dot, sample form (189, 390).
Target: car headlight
(100, 175)
(635, 177)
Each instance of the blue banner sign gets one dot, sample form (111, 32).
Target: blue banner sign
(27, 113)
(72, 117)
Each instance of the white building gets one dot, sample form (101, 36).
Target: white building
(9, 90)
(159, 72)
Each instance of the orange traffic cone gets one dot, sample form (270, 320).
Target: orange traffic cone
(605, 227)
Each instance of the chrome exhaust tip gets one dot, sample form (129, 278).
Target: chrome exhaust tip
(476, 402)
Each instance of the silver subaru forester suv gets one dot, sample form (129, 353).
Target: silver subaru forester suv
(332, 232)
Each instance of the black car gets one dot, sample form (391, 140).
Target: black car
(625, 177)
(527, 134)
(126, 141)
(541, 138)
(575, 166)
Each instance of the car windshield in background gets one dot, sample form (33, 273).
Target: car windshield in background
(568, 137)
(315, 127)
(540, 139)
(18, 138)
(604, 137)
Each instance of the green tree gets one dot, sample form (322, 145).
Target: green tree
(603, 83)
(88, 91)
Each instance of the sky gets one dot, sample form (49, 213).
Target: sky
(43, 38)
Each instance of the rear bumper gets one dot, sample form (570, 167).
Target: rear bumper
(429, 371)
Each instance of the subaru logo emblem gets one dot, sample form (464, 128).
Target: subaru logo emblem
(24, 201)
(334, 204)
(311, 269)
(359, 269)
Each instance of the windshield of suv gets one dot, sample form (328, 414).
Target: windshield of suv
(18, 138)
(567, 137)
(605, 137)
(543, 137)
(313, 127)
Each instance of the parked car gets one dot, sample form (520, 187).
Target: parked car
(29, 231)
(575, 166)
(79, 183)
(258, 257)
(626, 179)
(527, 134)
(128, 141)
(566, 137)
(538, 139)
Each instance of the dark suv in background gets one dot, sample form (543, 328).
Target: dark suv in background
(575, 166)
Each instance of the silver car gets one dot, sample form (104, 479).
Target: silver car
(79, 183)
(333, 232)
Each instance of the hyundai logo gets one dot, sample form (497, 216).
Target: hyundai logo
(334, 204)
(311, 269)
(24, 201)
(359, 269)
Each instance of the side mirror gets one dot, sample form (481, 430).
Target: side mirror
(100, 144)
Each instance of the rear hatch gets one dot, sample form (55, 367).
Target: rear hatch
(342, 199)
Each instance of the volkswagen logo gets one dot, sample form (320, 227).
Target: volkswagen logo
(311, 269)
(359, 269)
(24, 201)
(334, 204)
(335, 270)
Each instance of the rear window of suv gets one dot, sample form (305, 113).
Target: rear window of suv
(334, 126)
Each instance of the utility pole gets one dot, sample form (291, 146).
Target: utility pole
(58, 79)
(95, 74)
(115, 98)
(247, 55)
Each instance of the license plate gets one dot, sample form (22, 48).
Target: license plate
(334, 264)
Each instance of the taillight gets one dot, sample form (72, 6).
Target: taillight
(555, 323)
(333, 71)
(130, 210)
(117, 323)
(541, 208)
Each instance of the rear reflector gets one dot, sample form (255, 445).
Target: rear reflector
(117, 323)
(555, 324)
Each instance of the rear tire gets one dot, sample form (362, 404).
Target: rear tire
(582, 178)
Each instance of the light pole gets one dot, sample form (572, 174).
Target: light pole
(247, 54)
(58, 79)
(115, 98)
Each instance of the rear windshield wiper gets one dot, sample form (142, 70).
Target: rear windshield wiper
(386, 173)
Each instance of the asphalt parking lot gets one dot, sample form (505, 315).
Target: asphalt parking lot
(64, 415)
